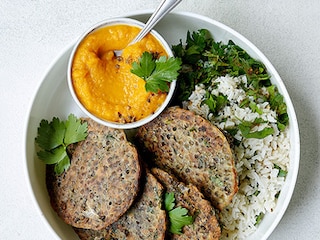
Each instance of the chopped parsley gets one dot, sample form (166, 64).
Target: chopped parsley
(259, 218)
(204, 60)
(215, 103)
(156, 72)
(246, 129)
(54, 137)
(281, 173)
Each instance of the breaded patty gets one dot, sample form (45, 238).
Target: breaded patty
(205, 225)
(190, 147)
(144, 220)
(102, 181)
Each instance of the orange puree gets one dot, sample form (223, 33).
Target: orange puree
(104, 83)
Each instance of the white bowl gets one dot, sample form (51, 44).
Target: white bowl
(54, 99)
(135, 124)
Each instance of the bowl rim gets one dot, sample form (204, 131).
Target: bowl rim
(109, 22)
(27, 132)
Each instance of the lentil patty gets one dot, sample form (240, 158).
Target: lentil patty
(102, 181)
(144, 220)
(191, 148)
(205, 225)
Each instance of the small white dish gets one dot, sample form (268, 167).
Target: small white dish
(131, 125)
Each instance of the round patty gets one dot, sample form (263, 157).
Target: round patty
(102, 181)
(205, 225)
(190, 147)
(144, 220)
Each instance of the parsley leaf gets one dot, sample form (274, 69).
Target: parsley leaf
(215, 103)
(259, 218)
(277, 103)
(169, 201)
(178, 216)
(282, 173)
(145, 66)
(50, 135)
(53, 138)
(54, 156)
(75, 131)
(245, 128)
(156, 72)
(62, 165)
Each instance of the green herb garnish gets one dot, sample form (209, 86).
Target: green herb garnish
(277, 103)
(215, 103)
(178, 216)
(259, 218)
(281, 173)
(245, 128)
(54, 138)
(156, 72)
(210, 59)
(203, 60)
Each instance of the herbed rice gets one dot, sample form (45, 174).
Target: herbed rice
(259, 183)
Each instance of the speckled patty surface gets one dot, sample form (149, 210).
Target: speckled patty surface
(205, 225)
(102, 181)
(190, 147)
(144, 220)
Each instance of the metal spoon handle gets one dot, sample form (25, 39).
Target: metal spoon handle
(165, 7)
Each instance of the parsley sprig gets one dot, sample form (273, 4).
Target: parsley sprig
(178, 216)
(54, 137)
(156, 72)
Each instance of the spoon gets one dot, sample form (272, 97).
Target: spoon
(165, 7)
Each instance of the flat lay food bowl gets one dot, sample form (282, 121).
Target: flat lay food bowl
(53, 99)
(101, 82)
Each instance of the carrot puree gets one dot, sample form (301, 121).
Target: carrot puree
(104, 84)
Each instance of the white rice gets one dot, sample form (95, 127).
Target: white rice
(255, 158)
